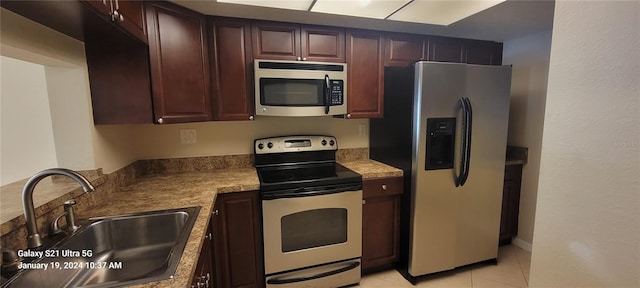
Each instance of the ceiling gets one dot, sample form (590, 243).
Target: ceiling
(504, 21)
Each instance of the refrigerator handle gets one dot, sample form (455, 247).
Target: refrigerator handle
(463, 146)
(468, 134)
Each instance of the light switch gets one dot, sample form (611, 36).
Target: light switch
(188, 136)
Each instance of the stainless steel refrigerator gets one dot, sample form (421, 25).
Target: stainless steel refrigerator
(445, 126)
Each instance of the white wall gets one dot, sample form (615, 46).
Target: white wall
(587, 229)
(529, 56)
(27, 143)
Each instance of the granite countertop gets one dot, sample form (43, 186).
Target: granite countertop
(186, 189)
(371, 169)
(179, 190)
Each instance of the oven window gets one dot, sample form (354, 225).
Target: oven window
(291, 92)
(314, 228)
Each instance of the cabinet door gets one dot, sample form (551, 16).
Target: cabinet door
(119, 79)
(232, 69)
(322, 44)
(276, 41)
(133, 19)
(443, 49)
(381, 223)
(204, 268)
(102, 6)
(238, 240)
(402, 50)
(179, 63)
(510, 203)
(365, 74)
(380, 232)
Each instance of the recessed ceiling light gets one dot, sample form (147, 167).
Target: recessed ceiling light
(282, 4)
(379, 9)
(441, 12)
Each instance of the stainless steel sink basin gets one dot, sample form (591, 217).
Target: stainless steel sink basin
(115, 251)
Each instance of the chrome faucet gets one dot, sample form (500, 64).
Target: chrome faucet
(33, 238)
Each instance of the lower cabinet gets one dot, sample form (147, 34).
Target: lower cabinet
(237, 240)
(204, 275)
(380, 223)
(510, 203)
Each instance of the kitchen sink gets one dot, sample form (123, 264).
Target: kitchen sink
(114, 251)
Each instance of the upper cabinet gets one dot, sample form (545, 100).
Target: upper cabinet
(287, 41)
(404, 49)
(482, 52)
(444, 49)
(179, 63)
(128, 15)
(231, 69)
(365, 74)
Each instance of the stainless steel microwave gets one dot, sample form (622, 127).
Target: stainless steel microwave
(294, 88)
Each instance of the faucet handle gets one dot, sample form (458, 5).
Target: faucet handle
(69, 203)
(70, 215)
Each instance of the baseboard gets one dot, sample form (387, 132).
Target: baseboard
(521, 243)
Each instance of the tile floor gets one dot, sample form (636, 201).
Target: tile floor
(512, 271)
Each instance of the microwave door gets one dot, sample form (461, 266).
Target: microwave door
(327, 93)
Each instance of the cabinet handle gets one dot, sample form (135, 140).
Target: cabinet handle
(215, 212)
(364, 201)
(115, 15)
(160, 120)
(348, 116)
(121, 17)
(208, 236)
(304, 59)
(299, 58)
(251, 117)
(384, 187)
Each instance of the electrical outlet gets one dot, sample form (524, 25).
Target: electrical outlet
(188, 136)
(362, 130)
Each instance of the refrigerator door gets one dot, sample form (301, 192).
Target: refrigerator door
(451, 226)
(480, 203)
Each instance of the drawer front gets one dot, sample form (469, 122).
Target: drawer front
(382, 187)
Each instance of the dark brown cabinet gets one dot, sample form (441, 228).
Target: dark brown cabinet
(365, 74)
(510, 203)
(231, 69)
(403, 49)
(238, 240)
(204, 277)
(128, 15)
(444, 49)
(179, 63)
(380, 223)
(482, 52)
(288, 41)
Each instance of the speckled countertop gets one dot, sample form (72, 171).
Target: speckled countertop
(371, 169)
(179, 190)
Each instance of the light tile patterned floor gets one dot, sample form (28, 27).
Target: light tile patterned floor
(512, 271)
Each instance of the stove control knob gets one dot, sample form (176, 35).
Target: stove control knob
(332, 142)
(260, 146)
(270, 145)
(324, 142)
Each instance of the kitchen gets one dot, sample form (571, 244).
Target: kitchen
(114, 149)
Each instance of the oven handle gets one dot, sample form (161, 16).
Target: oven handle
(309, 191)
(317, 276)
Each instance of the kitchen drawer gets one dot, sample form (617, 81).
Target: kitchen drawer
(381, 187)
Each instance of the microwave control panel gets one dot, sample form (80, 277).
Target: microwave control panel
(337, 92)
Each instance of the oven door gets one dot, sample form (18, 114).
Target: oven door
(311, 230)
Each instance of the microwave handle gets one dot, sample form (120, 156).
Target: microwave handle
(327, 94)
